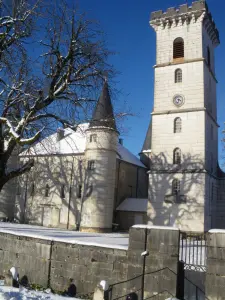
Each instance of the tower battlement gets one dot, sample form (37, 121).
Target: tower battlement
(185, 13)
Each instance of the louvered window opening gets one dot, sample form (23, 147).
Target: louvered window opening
(176, 187)
(177, 157)
(178, 75)
(177, 125)
(178, 48)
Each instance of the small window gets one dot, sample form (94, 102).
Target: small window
(32, 189)
(177, 125)
(178, 48)
(177, 156)
(79, 191)
(93, 138)
(62, 192)
(91, 165)
(176, 187)
(208, 57)
(47, 190)
(178, 75)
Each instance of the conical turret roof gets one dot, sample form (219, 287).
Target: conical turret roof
(103, 114)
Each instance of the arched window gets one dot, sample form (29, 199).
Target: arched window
(178, 48)
(47, 190)
(176, 187)
(208, 57)
(177, 156)
(178, 75)
(177, 125)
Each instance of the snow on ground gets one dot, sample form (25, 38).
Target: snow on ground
(10, 293)
(108, 240)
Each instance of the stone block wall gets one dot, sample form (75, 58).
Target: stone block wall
(55, 264)
(86, 265)
(30, 256)
(215, 275)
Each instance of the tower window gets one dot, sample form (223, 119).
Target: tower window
(91, 165)
(93, 138)
(208, 57)
(62, 192)
(178, 48)
(178, 75)
(47, 190)
(175, 187)
(177, 125)
(177, 156)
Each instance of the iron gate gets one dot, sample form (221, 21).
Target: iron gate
(193, 251)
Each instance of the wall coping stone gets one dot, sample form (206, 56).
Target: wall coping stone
(217, 231)
(155, 227)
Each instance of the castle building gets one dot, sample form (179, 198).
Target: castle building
(186, 185)
(80, 177)
(86, 179)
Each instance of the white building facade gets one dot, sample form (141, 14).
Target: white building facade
(185, 182)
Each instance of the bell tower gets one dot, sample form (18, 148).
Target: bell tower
(184, 142)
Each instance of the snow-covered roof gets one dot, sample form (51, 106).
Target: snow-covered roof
(74, 142)
(133, 204)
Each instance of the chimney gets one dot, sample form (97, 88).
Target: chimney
(121, 141)
(60, 134)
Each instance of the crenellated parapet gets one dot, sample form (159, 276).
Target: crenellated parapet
(185, 15)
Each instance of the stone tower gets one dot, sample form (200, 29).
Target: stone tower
(184, 142)
(100, 167)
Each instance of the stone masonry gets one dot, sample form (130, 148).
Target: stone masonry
(55, 264)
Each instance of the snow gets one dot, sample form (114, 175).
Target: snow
(107, 240)
(216, 231)
(133, 204)
(74, 142)
(10, 293)
(155, 227)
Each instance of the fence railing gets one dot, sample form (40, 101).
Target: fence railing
(193, 250)
(131, 289)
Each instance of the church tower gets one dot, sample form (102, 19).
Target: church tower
(184, 142)
(100, 159)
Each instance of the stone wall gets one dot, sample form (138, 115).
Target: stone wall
(215, 275)
(55, 264)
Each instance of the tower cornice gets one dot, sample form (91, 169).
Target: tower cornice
(185, 15)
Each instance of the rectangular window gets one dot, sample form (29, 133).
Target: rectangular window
(91, 165)
(93, 138)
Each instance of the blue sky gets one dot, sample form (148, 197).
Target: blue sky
(126, 24)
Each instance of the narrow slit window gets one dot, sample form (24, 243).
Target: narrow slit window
(32, 189)
(177, 156)
(178, 76)
(178, 48)
(177, 125)
(62, 192)
(176, 187)
(47, 190)
(79, 191)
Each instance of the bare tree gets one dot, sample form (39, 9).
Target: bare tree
(56, 86)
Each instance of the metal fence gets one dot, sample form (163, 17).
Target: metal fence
(193, 250)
